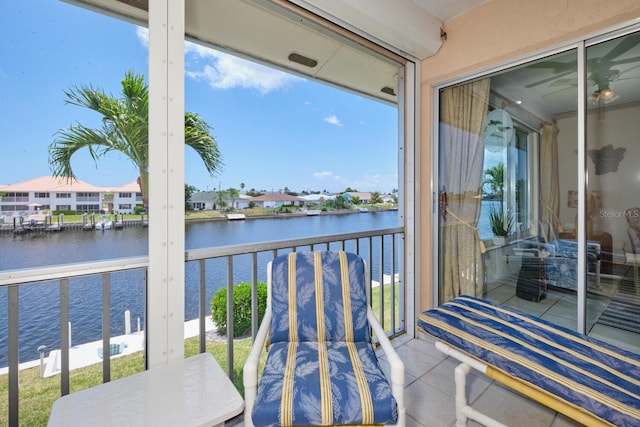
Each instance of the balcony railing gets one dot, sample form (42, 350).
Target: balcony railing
(383, 250)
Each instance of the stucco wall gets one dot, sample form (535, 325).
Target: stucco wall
(494, 34)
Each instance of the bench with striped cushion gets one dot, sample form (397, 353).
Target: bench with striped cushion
(586, 379)
(321, 368)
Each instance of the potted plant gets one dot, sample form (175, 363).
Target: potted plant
(501, 221)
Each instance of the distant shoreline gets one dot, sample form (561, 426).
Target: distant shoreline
(8, 228)
(285, 215)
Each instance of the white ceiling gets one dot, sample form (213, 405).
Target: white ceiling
(550, 86)
(261, 30)
(447, 9)
(258, 29)
(409, 26)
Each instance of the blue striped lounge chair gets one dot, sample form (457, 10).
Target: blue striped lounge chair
(321, 367)
(593, 382)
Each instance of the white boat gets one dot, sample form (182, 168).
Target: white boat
(235, 216)
(363, 210)
(313, 212)
(105, 224)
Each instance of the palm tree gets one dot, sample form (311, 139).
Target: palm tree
(233, 193)
(219, 199)
(125, 128)
(494, 178)
(376, 198)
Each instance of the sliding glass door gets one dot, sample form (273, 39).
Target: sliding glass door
(613, 185)
(536, 183)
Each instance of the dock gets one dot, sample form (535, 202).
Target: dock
(67, 226)
(90, 353)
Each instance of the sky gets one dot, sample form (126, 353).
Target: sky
(274, 129)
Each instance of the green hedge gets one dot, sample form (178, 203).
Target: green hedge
(241, 308)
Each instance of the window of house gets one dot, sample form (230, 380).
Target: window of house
(16, 197)
(84, 196)
(87, 208)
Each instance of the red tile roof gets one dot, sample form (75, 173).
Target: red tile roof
(277, 197)
(51, 184)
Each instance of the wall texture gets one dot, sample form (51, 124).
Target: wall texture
(490, 36)
(619, 189)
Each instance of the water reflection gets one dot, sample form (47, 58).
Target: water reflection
(39, 304)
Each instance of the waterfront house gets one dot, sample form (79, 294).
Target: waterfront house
(277, 200)
(208, 200)
(363, 197)
(318, 199)
(47, 193)
(126, 198)
(562, 79)
(202, 200)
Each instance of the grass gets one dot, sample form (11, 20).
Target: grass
(37, 395)
(375, 305)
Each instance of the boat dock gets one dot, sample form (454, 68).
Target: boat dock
(91, 353)
(46, 226)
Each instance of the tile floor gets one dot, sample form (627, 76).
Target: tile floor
(430, 392)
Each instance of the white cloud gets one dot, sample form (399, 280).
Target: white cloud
(326, 175)
(333, 182)
(222, 71)
(382, 183)
(143, 36)
(333, 120)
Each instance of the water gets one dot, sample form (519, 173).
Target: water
(39, 304)
(484, 227)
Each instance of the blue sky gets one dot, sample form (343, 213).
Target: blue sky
(274, 130)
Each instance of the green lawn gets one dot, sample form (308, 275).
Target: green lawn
(38, 394)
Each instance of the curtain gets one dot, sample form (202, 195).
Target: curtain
(462, 111)
(549, 182)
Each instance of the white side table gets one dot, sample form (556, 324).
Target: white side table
(190, 392)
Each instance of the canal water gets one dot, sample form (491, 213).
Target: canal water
(39, 303)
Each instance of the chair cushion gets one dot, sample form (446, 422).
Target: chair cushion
(599, 378)
(323, 384)
(318, 296)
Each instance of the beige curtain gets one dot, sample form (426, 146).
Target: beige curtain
(462, 111)
(549, 182)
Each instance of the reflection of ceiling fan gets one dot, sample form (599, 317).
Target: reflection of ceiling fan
(601, 71)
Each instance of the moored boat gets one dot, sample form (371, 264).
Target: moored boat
(235, 216)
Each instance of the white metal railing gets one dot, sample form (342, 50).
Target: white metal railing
(378, 247)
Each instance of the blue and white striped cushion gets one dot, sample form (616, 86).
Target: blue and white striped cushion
(327, 383)
(590, 374)
(321, 368)
(319, 296)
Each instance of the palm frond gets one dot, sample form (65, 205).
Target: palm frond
(125, 128)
